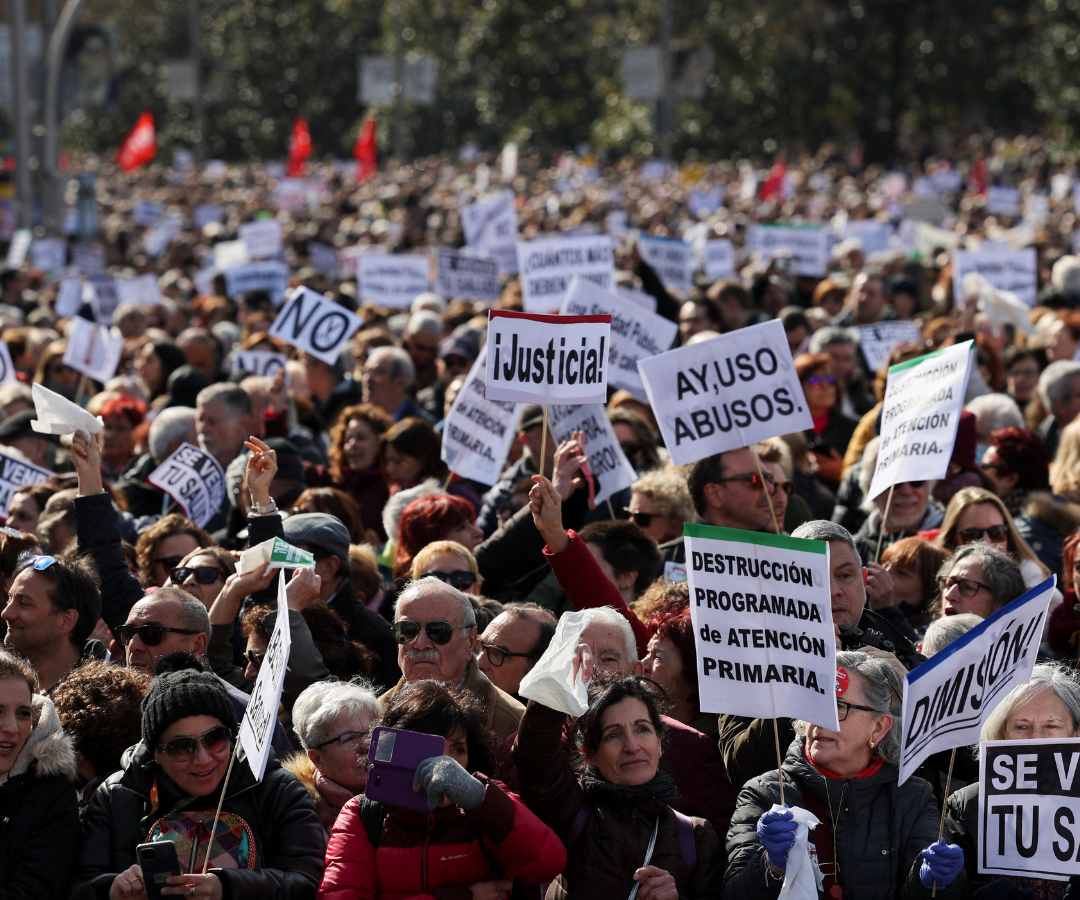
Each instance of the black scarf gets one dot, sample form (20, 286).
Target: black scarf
(661, 788)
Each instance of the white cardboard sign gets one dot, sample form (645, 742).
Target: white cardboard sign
(460, 275)
(104, 297)
(877, 341)
(69, 298)
(1016, 271)
(14, 473)
(606, 458)
(270, 276)
(194, 479)
(724, 393)
(491, 227)
(18, 248)
(93, 350)
(257, 362)
(393, 279)
(672, 259)
(315, 324)
(547, 359)
(48, 254)
(547, 266)
(7, 367)
(143, 290)
(808, 245)
(719, 259)
(262, 238)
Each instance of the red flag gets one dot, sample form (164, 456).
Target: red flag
(977, 182)
(140, 146)
(774, 184)
(366, 151)
(299, 148)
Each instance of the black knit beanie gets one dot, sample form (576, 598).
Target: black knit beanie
(177, 695)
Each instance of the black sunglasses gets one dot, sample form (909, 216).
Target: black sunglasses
(755, 479)
(641, 519)
(995, 532)
(182, 749)
(496, 655)
(203, 574)
(255, 658)
(150, 635)
(460, 580)
(438, 632)
(169, 563)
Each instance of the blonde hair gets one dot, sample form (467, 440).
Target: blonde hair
(422, 559)
(667, 489)
(1065, 469)
(975, 496)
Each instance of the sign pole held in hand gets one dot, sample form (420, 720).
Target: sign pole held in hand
(84, 380)
(772, 512)
(543, 445)
(779, 758)
(944, 804)
(884, 519)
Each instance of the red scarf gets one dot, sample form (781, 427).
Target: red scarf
(871, 769)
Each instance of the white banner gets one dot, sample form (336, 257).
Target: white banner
(724, 393)
(548, 264)
(672, 259)
(719, 259)
(1029, 806)
(69, 298)
(877, 341)
(539, 359)
(207, 214)
(460, 275)
(315, 324)
(13, 474)
(948, 697)
(873, 234)
(262, 238)
(257, 362)
(143, 290)
(49, 254)
(762, 615)
(636, 333)
(478, 432)
(808, 245)
(491, 227)
(194, 479)
(260, 717)
(393, 279)
(93, 350)
(923, 399)
(1007, 270)
(271, 276)
(606, 458)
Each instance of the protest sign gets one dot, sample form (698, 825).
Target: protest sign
(349, 258)
(257, 362)
(672, 259)
(538, 359)
(316, 325)
(260, 717)
(762, 615)
(639, 298)
(194, 479)
(807, 244)
(460, 275)
(229, 254)
(703, 203)
(104, 297)
(548, 264)
(478, 431)
(923, 399)
(142, 290)
(207, 214)
(87, 260)
(262, 238)
(1016, 271)
(1002, 201)
(146, 212)
(491, 227)
(48, 254)
(1029, 806)
(276, 552)
(18, 248)
(948, 697)
(93, 350)
(636, 333)
(873, 234)
(7, 367)
(726, 392)
(323, 258)
(14, 473)
(719, 259)
(69, 298)
(157, 238)
(877, 341)
(271, 276)
(393, 279)
(606, 457)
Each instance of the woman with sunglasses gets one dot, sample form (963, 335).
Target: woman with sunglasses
(978, 578)
(268, 842)
(878, 840)
(450, 562)
(832, 429)
(203, 572)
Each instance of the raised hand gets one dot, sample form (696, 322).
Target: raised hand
(546, 506)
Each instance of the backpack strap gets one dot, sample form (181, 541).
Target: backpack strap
(372, 815)
(578, 825)
(686, 841)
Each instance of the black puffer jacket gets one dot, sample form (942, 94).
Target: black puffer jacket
(39, 813)
(289, 840)
(880, 829)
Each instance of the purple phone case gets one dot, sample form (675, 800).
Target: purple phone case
(394, 756)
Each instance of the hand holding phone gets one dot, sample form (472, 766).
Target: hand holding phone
(395, 755)
(157, 861)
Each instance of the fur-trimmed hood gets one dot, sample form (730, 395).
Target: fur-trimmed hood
(395, 506)
(1062, 516)
(48, 749)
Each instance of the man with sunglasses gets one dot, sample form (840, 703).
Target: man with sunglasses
(513, 642)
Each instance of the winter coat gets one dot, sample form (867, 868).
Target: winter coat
(39, 812)
(439, 855)
(880, 828)
(602, 859)
(286, 837)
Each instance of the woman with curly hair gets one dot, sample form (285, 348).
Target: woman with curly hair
(354, 460)
(164, 545)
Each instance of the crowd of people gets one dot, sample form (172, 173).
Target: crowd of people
(132, 642)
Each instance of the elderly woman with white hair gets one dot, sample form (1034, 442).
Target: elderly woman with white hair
(1047, 707)
(333, 722)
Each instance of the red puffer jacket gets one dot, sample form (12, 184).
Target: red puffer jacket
(439, 856)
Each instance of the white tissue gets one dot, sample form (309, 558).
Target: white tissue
(1000, 307)
(801, 877)
(551, 681)
(58, 415)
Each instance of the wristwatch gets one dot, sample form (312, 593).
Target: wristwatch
(270, 507)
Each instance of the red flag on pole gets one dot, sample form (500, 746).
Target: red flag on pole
(774, 184)
(299, 148)
(977, 182)
(140, 146)
(366, 151)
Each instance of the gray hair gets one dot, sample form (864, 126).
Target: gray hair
(233, 397)
(830, 334)
(320, 704)
(606, 615)
(882, 690)
(401, 364)
(1000, 569)
(994, 411)
(1044, 677)
(170, 426)
(193, 615)
(824, 530)
(1054, 381)
(432, 586)
(427, 322)
(945, 630)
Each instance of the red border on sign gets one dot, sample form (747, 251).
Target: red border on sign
(551, 320)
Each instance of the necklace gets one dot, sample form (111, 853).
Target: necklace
(835, 891)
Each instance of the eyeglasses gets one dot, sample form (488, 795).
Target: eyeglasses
(150, 635)
(989, 467)
(348, 737)
(788, 487)
(914, 485)
(169, 563)
(820, 380)
(405, 632)
(754, 478)
(216, 740)
(460, 580)
(39, 563)
(631, 447)
(843, 708)
(203, 574)
(969, 587)
(996, 533)
(255, 658)
(639, 518)
(496, 655)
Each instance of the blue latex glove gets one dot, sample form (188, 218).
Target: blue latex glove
(776, 831)
(941, 863)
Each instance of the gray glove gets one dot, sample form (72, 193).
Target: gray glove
(443, 777)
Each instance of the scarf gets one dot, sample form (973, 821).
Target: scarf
(872, 769)
(334, 794)
(661, 788)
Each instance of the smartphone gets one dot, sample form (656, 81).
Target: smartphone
(158, 861)
(394, 756)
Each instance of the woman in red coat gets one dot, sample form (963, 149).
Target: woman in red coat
(477, 838)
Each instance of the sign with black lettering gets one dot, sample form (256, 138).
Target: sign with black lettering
(672, 259)
(762, 615)
(104, 298)
(547, 359)
(877, 341)
(13, 474)
(262, 238)
(393, 279)
(807, 245)
(1029, 808)
(548, 264)
(460, 275)
(271, 276)
(948, 697)
(257, 362)
(606, 458)
(315, 324)
(491, 227)
(724, 393)
(194, 479)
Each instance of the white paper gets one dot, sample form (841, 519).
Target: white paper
(1015, 271)
(156, 239)
(323, 258)
(262, 238)
(88, 260)
(104, 297)
(229, 254)
(393, 279)
(146, 212)
(93, 350)
(315, 324)
(257, 362)
(194, 479)
(801, 877)
(877, 341)
(548, 264)
(491, 227)
(461, 275)
(271, 276)
(672, 259)
(551, 681)
(1001, 307)
(873, 234)
(719, 259)
(1002, 201)
(606, 458)
(808, 245)
(58, 415)
(68, 298)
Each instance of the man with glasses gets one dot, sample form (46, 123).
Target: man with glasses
(435, 628)
(1059, 390)
(512, 643)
